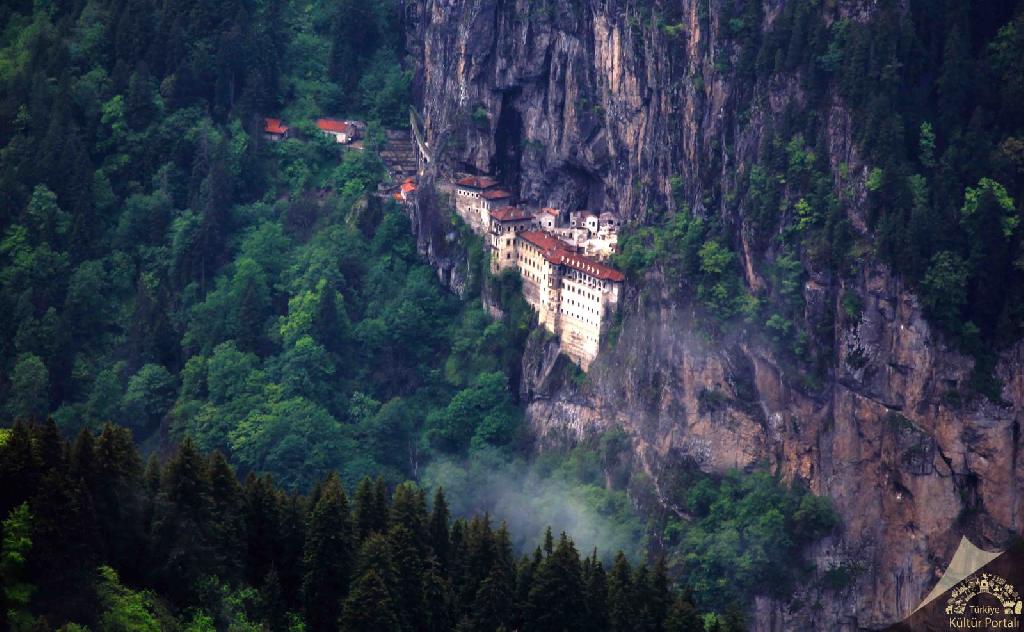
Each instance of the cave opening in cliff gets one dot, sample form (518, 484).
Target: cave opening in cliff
(508, 142)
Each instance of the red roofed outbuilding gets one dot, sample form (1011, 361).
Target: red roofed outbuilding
(341, 131)
(274, 130)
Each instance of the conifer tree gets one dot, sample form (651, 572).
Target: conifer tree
(271, 603)
(408, 558)
(328, 559)
(15, 591)
(262, 527)
(183, 531)
(595, 591)
(293, 545)
(555, 602)
(621, 604)
(382, 500)
(369, 607)
(683, 617)
(20, 468)
(369, 515)
(437, 598)
(660, 595)
(117, 503)
(643, 605)
(409, 510)
(734, 619)
(229, 537)
(438, 528)
(50, 447)
(82, 460)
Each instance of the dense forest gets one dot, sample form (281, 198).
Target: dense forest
(93, 538)
(166, 269)
(933, 92)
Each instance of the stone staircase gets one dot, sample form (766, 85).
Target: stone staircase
(399, 154)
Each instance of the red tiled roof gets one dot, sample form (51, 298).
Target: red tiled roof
(410, 179)
(408, 187)
(510, 214)
(477, 182)
(542, 240)
(551, 211)
(558, 252)
(498, 194)
(273, 126)
(587, 265)
(335, 126)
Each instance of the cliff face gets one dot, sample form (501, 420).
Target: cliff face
(591, 104)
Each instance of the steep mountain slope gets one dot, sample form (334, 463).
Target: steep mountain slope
(660, 110)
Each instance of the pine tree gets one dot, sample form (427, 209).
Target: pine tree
(660, 595)
(229, 537)
(621, 598)
(262, 527)
(15, 591)
(369, 607)
(293, 545)
(272, 606)
(734, 619)
(438, 528)
(382, 500)
(20, 468)
(150, 492)
(409, 510)
(555, 602)
(63, 535)
(82, 460)
(644, 599)
(370, 516)
(328, 558)
(50, 447)
(407, 556)
(116, 500)
(595, 591)
(437, 598)
(683, 617)
(183, 531)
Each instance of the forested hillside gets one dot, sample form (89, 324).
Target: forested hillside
(167, 269)
(93, 538)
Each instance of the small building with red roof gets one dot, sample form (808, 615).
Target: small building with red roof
(274, 130)
(340, 131)
(407, 189)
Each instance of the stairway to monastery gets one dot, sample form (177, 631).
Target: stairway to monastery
(399, 154)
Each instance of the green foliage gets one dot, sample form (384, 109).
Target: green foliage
(944, 289)
(992, 193)
(687, 251)
(124, 610)
(17, 543)
(481, 414)
(223, 555)
(148, 397)
(745, 536)
(853, 306)
(29, 396)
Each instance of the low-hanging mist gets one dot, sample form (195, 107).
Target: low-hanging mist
(530, 499)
